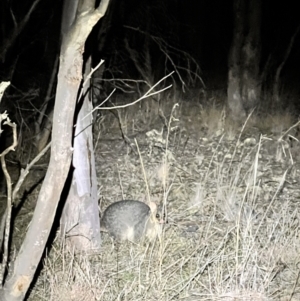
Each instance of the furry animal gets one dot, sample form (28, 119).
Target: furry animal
(130, 220)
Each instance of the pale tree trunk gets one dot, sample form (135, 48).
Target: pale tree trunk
(81, 17)
(234, 93)
(80, 224)
(244, 82)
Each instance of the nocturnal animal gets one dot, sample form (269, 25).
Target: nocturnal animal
(131, 220)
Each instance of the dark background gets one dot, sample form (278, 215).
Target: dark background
(200, 28)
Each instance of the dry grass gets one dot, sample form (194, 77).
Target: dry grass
(274, 124)
(233, 231)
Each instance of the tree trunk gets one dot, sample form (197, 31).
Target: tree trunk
(234, 93)
(80, 222)
(251, 57)
(244, 83)
(75, 32)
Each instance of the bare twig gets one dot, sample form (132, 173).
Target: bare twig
(48, 96)
(146, 95)
(16, 31)
(24, 172)
(7, 214)
(101, 104)
(293, 126)
(91, 73)
(11, 195)
(42, 134)
(280, 67)
(144, 172)
(295, 285)
(170, 53)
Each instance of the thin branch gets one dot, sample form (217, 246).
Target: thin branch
(25, 171)
(92, 72)
(18, 28)
(169, 50)
(102, 103)
(293, 126)
(7, 214)
(146, 95)
(280, 67)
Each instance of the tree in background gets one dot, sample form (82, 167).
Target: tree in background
(141, 45)
(12, 28)
(244, 82)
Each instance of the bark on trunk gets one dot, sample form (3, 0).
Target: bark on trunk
(80, 219)
(234, 93)
(251, 57)
(244, 83)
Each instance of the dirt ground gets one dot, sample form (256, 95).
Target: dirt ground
(231, 192)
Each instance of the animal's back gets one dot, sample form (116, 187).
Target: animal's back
(126, 220)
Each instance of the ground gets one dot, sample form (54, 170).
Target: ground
(231, 193)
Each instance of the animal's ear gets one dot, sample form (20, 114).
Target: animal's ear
(153, 207)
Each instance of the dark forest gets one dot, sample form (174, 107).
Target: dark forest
(149, 150)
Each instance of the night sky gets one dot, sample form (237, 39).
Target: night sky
(203, 29)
